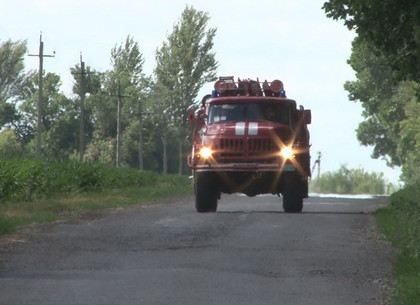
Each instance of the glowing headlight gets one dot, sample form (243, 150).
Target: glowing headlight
(206, 152)
(286, 152)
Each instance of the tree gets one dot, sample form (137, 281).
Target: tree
(162, 118)
(87, 81)
(59, 117)
(13, 79)
(185, 62)
(386, 58)
(127, 80)
(391, 26)
(10, 147)
(374, 89)
(350, 181)
(390, 110)
(409, 144)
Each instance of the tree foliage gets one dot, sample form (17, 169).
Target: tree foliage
(153, 108)
(10, 147)
(92, 80)
(12, 76)
(125, 82)
(383, 111)
(392, 26)
(386, 59)
(183, 64)
(13, 79)
(409, 144)
(59, 118)
(351, 181)
(185, 61)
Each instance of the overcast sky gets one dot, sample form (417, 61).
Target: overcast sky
(290, 40)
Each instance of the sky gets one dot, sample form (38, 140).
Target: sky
(292, 41)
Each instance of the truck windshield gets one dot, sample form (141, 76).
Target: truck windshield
(272, 112)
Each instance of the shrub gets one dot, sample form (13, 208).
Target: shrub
(349, 181)
(25, 179)
(400, 222)
(405, 205)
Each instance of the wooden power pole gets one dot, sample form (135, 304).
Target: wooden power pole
(40, 124)
(141, 137)
(119, 125)
(82, 93)
(317, 164)
(119, 106)
(82, 110)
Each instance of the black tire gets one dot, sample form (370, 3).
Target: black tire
(206, 193)
(293, 197)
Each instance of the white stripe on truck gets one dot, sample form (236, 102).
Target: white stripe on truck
(240, 129)
(253, 129)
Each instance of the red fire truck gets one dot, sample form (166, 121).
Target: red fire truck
(250, 138)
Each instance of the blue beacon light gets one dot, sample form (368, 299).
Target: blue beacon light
(282, 93)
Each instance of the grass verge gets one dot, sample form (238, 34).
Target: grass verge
(15, 214)
(400, 223)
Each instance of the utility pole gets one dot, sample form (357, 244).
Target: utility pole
(165, 144)
(318, 164)
(119, 106)
(119, 124)
(82, 108)
(141, 138)
(39, 130)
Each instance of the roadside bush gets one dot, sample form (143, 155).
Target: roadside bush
(350, 181)
(400, 223)
(405, 205)
(26, 180)
(122, 177)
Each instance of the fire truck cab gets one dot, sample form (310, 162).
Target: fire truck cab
(249, 138)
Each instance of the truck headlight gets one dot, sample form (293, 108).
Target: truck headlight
(206, 152)
(286, 152)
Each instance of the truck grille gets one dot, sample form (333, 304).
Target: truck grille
(243, 150)
(231, 145)
(261, 145)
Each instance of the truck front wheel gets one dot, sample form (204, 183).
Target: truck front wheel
(206, 192)
(292, 197)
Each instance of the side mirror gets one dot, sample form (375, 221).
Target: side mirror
(304, 116)
(307, 116)
(201, 118)
(191, 116)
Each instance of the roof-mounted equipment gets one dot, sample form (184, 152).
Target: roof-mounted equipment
(226, 86)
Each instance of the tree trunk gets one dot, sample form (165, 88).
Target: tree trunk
(141, 140)
(181, 157)
(165, 157)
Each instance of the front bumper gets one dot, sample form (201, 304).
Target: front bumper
(256, 167)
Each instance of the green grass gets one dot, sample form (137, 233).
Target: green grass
(400, 223)
(407, 279)
(15, 214)
(37, 191)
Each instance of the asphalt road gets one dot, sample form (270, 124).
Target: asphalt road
(249, 252)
